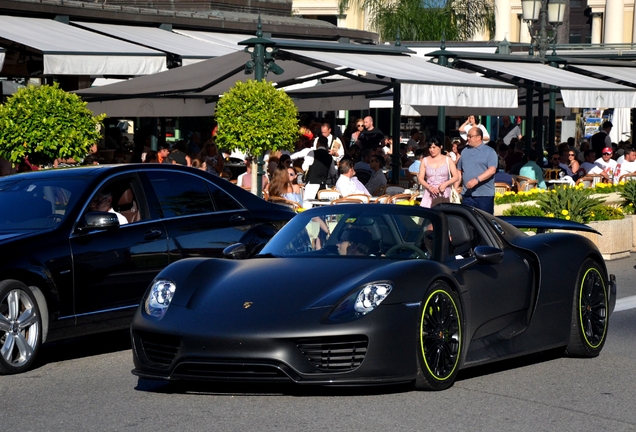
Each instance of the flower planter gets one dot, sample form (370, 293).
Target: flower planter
(617, 238)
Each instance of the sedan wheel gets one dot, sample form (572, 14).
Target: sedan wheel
(20, 327)
(589, 313)
(440, 339)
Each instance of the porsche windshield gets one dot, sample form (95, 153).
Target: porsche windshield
(358, 231)
(35, 203)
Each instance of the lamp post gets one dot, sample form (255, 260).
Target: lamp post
(543, 12)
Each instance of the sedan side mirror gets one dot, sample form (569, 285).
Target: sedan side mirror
(100, 220)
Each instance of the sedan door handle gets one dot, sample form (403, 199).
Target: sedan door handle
(152, 234)
(237, 218)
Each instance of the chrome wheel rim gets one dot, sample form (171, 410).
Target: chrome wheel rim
(19, 328)
(440, 335)
(593, 308)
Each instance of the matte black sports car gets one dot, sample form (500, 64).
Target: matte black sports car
(69, 265)
(373, 294)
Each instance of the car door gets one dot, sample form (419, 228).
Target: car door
(201, 219)
(499, 293)
(113, 267)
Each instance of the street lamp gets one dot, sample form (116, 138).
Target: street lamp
(543, 11)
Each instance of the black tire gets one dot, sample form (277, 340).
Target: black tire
(20, 327)
(589, 312)
(439, 340)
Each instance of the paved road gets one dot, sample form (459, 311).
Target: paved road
(86, 385)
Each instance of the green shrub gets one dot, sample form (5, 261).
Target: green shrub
(254, 117)
(46, 123)
(628, 193)
(524, 210)
(606, 212)
(570, 203)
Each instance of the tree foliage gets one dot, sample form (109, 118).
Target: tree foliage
(426, 20)
(254, 117)
(46, 123)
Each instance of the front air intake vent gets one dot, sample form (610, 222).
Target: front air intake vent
(334, 354)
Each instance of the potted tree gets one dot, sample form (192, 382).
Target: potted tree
(45, 123)
(254, 117)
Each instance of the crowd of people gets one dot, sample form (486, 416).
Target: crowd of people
(358, 161)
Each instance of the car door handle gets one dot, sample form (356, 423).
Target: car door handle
(237, 218)
(152, 234)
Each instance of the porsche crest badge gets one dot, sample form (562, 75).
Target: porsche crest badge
(246, 305)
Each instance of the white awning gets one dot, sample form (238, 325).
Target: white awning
(189, 49)
(69, 50)
(425, 83)
(228, 40)
(627, 74)
(577, 91)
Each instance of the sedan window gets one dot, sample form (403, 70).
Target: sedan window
(180, 194)
(35, 204)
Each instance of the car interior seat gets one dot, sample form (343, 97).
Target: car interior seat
(461, 236)
(127, 206)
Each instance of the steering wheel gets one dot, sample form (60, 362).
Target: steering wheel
(406, 246)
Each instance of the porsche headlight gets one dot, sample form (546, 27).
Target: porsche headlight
(159, 298)
(371, 296)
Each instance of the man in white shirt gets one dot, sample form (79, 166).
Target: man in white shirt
(334, 145)
(588, 165)
(378, 179)
(348, 183)
(627, 166)
(605, 165)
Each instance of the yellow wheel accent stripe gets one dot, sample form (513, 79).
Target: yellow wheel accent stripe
(459, 326)
(581, 315)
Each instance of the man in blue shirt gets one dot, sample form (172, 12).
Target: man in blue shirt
(478, 164)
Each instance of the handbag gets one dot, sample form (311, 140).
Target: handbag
(455, 198)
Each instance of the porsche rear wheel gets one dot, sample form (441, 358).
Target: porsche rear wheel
(589, 312)
(439, 339)
(20, 327)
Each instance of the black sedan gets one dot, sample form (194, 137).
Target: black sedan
(79, 246)
(374, 294)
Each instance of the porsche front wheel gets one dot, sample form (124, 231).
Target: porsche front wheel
(20, 327)
(589, 312)
(439, 338)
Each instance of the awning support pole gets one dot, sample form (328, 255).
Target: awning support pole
(529, 97)
(397, 113)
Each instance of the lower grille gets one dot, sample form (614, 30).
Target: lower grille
(159, 349)
(334, 354)
(229, 372)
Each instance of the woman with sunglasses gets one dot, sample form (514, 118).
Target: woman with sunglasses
(571, 163)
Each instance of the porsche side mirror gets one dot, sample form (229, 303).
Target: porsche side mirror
(236, 251)
(99, 220)
(488, 255)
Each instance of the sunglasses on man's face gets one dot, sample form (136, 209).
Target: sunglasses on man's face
(607, 154)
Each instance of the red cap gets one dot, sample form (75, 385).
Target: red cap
(608, 150)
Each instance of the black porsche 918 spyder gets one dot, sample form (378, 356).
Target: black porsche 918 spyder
(373, 294)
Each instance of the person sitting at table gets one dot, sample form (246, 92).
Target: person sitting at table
(532, 170)
(569, 163)
(378, 179)
(348, 183)
(281, 185)
(588, 164)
